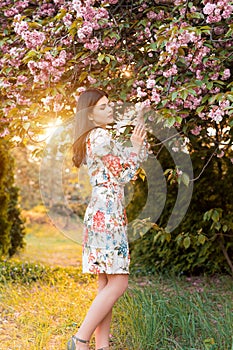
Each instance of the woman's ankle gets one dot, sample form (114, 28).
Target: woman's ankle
(81, 343)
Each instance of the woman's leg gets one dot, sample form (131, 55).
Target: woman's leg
(102, 306)
(103, 329)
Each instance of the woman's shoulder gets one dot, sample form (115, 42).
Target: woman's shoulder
(99, 134)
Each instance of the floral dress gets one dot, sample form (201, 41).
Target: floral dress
(110, 167)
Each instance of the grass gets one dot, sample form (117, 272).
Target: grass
(151, 318)
(45, 244)
(159, 313)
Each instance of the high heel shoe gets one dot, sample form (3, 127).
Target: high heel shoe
(71, 345)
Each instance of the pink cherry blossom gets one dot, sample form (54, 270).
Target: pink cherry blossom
(108, 42)
(140, 93)
(209, 8)
(151, 15)
(93, 44)
(171, 71)
(5, 132)
(155, 97)
(226, 74)
(196, 130)
(21, 79)
(150, 83)
(85, 32)
(67, 19)
(216, 114)
(33, 39)
(91, 80)
(20, 27)
(47, 100)
(220, 154)
(57, 107)
(81, 89)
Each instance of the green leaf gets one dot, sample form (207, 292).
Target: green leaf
(230, 97)
(32, 54)
(201, 239)
(209, 85)
(168, 236)
(34, 25)
(225, 228)
(170, 122)
(82, 76)
(207, 215)
(101, 57)
(179, 119)
(156, 236)
(185, 179)
(114, 35)
(205, 98)
(184, 94)
(200, 109)
(174, 95)
(107, 59)
(215, 216)
(153, 46)
(192, 92)
(186, 242)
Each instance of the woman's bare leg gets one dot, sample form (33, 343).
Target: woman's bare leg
(102, 306)
(103, 329)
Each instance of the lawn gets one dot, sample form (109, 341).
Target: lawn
(44, 297)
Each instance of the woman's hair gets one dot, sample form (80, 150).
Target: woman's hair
(86, 102)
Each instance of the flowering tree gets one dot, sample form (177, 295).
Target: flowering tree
(174, 56)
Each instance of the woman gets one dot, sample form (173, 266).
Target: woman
(105, 245)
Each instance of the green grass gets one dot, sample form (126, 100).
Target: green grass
(44, 298)
(151, 318)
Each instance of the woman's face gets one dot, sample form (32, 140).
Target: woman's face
(102, 113)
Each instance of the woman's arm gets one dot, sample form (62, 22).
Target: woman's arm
(121, 162)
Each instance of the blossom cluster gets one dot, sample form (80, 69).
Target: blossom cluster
(217, 11)
(217, 112)
(32, 39)
(93, 19)
(49, 68)
(168, 59)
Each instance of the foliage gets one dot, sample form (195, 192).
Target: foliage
(22, 272)
(11, 224)
(203, 242)
(27, 273)
(17, 231)
(4, 196)
(181, 63)
(26, 177)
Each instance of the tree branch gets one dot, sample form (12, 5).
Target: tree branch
(204, 167)
(226, 255)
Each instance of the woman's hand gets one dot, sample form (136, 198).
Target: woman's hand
(138, 136)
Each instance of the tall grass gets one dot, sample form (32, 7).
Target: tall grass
(149, 319)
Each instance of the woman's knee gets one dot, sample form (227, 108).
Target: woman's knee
(118, 284)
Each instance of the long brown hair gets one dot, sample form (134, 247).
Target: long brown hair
(86, 102)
